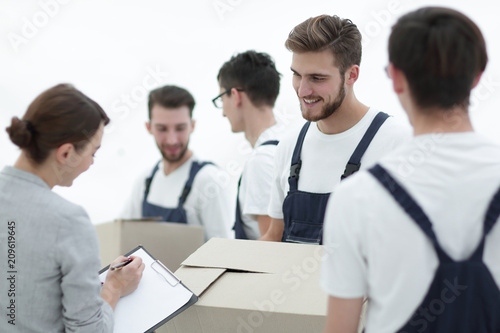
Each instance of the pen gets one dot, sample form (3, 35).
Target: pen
(121, 265)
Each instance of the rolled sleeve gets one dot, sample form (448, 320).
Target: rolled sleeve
(257, 179)
(132, 209)
(278, 183)
(215, 202)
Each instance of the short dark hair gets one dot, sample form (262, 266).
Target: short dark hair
(171, 97)
(325, 32)
(59, 115)
(441, 52)
(255, 73)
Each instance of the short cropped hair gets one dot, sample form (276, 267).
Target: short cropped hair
(171, 97)
(324, 32)
(255, 73)
(441, 52)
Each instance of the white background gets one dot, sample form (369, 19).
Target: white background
(108, 49)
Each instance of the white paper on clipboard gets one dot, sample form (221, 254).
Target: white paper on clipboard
(159, 295)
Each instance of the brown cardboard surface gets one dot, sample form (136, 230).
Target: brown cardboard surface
(198, 279)
(267, 257)
(257, 287)
(224, 320)
(267, 290)
(109, 235)
(170, 242)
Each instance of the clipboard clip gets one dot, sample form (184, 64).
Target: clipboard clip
(165, 273)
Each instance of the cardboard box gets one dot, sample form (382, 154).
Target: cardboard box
(252, 286)
(171, 243)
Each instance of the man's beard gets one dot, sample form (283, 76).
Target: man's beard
(328, 109)
(176, 158)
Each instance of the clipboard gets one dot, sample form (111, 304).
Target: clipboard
(159, 297)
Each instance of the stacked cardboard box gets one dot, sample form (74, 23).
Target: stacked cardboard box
(170, 242)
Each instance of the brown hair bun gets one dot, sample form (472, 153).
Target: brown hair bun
(20, 132)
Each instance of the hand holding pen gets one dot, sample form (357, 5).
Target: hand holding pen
(123, 278)
(121, 265)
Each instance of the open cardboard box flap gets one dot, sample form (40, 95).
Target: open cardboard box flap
(198, 280)
(261, 257)
(252, 271)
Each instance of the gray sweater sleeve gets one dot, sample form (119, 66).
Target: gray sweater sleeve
(77, 252)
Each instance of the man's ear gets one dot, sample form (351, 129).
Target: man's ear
(351, 74)
(398, 79)
(237, 95)
(148, 127)
(193, 123)
(476, 80)
(63, 153)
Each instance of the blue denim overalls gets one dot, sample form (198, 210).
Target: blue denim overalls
(304, 212)
(177, 214)
(239, 232)
(463, 296)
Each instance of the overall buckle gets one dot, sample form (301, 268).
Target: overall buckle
(295, 170)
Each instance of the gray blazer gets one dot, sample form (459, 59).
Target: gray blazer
(49, 261)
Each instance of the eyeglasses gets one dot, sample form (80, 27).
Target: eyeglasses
(386, 69)
(218, 100)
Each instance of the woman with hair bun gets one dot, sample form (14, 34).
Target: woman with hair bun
(49, 248)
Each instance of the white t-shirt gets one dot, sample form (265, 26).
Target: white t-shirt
(373, 248)
(255, 188)
(209, 203)
(324, 157)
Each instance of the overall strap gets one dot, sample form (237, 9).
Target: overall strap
(149, 180)
(492, 213)
(195, 167)
(296, 161)
(491, 217)
(355, 161)
(410, 206)
(239, 183)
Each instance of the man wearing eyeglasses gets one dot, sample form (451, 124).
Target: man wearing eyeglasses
(180, 188)
(341, 136)
(249, 85)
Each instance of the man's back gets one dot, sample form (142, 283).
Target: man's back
(453, 177)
